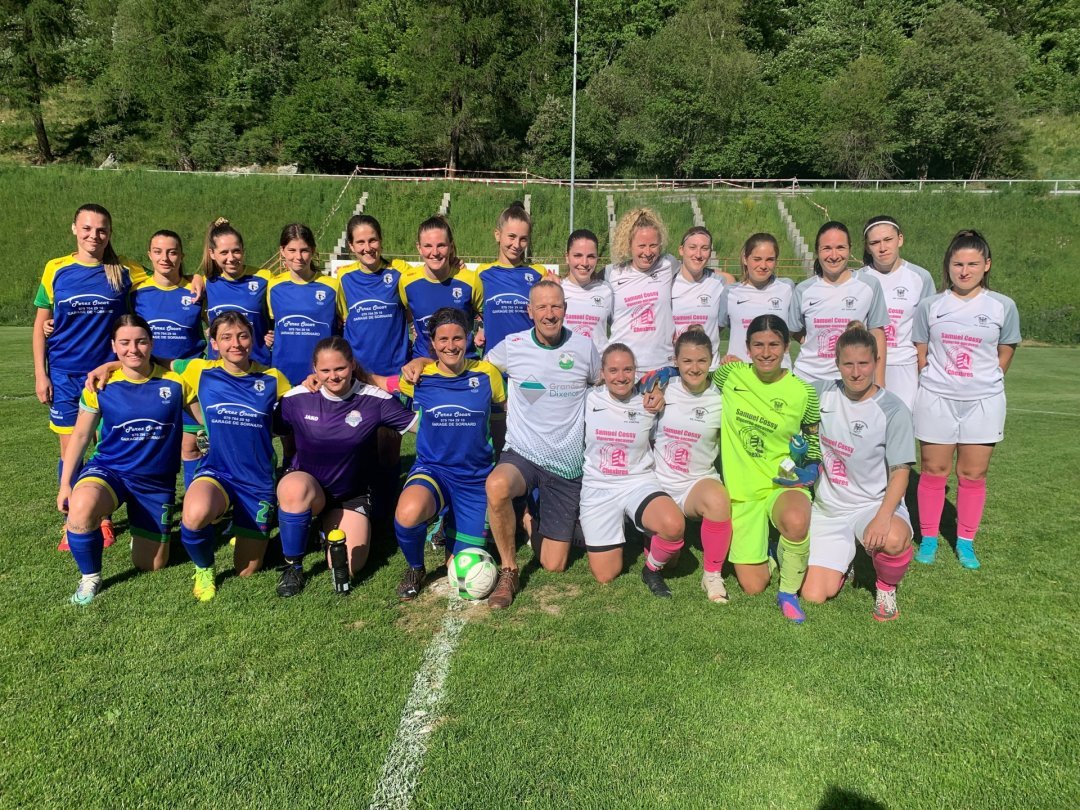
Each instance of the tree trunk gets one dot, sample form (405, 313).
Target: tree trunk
(45, 154)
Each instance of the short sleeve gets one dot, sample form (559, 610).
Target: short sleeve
(928, 290)
(595, 365)
(497, 356)
(395, 415)
(342, 309)
(1010, 325)
(191, 372)
(721, 374)
(403, 385)
(722, 307)
(88, 401)
(477, 294)
(43, 299)
(283, 385)
(920, 324)
(795, 316)
(899, 432)
(498, 388)
(878, 315)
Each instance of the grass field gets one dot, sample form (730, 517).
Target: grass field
(578, 695)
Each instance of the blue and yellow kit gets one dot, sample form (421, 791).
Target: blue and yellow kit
(175, 317)
(506, 300)
(303, 313)
(423, 296)
(246, 294)
(376, 321)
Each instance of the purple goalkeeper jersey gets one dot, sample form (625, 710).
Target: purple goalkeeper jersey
(336, 437)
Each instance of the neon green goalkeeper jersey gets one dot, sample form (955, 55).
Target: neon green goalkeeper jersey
(759, 421)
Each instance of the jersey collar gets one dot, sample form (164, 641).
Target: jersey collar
(565, 336)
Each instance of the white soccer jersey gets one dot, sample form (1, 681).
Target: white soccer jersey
(687, 435)
(963, 338)
(642, 311)
(588, 310)
(824, 310)
(859, 442)
(617, 448)
(741, 302)
(903, 289)
(545, 419)
(698, 302)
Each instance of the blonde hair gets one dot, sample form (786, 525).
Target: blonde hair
(114, 268)
(634, 220)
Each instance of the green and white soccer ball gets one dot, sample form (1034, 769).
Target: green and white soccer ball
(474, 573)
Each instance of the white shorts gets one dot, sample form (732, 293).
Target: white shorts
(603, 509)
(680, 491)
(833, 537)
(954, 421)
(904, 382)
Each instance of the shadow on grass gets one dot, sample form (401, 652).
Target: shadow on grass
(837, 798)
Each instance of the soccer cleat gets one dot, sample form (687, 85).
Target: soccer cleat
(713, 583)
(927, 551)
(87, 590)
(205, 588)
(789, 606)
(411, 583)
(885, 609)
(508, 585)
(654, 580)
(965, 552)
(107, 533)
(292, 581)
(435, 534)
(63, 540)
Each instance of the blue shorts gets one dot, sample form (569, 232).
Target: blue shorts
(150, 504)
(64, 410)
(461, 501)
(253, 509)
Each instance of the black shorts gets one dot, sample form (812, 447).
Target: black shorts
(359, 503)
(559, 497)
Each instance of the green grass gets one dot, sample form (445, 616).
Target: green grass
(1036, 250)
(1051, 146)
(579, 695)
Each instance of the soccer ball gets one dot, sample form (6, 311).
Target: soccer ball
(474, 573)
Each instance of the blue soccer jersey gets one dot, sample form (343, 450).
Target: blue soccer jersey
(175, 318)
(84, 307)
(246, 294)
(238, 413)
(506, 300)
(375, 317)
(141, 424)
(303, 312)
(423, 296)
(454, 411)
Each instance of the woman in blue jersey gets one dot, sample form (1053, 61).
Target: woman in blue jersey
(453, 446)
(167, 301)
(335, 430)
(237, 397)
(80, 297)
(139, 412)
(304, 304)
(440, 281)
(231, 286)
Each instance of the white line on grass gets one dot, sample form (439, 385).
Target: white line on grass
(401, 769)
(1047, 413)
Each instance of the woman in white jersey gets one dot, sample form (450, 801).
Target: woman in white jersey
(588, 299)
(758, 292)
(867, 449)
(641, 278)
(965, 338)
(686, 442)
(619, 479)
(695, 293)
(828, 301)
(904, 285)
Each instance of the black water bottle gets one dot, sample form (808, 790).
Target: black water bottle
(339, 560)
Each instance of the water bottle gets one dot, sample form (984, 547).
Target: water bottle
(797, 450)
(339, 560)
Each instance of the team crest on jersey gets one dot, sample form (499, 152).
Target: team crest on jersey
(632, 416)
(166, 393)
(858, 426)
(774, 303)
(474, 382)
(388, 279)
(982, 320)
(597, 301)
(320, 295)
(186, 301)
(901, 293)
(353, 418)
(700, 414)
(849, 302)
(260, 385)
(566, 361)
(778, 405)
(703, 300)
(753, 441)
(529, 278)
(457, 293)
(253, 287)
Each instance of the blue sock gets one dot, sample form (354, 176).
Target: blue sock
(59, 471)
(190, 466)
(293, 528)
(411, 541)
(199, 544)
(86, 549)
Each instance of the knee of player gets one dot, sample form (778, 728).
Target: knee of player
(669, 524)
(753, 588)
(409, 514)
(898, 541)
(817, 594)
(499, 487)
(554, 566)
(717, 509)
(604, 577)
(196, 515)
(970, 473)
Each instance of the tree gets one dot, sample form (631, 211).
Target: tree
(31, 58)
(859, 137)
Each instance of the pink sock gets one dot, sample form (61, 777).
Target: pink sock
(715, 542)
(660, 551)
(970, 500)
(891, 568)
(931, 502)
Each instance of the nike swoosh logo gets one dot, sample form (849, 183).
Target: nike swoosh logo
(742, 301)
(942, 315)
(741, 390)
(620, 281)
(824, 411)
(812, 303)
(594, 410)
